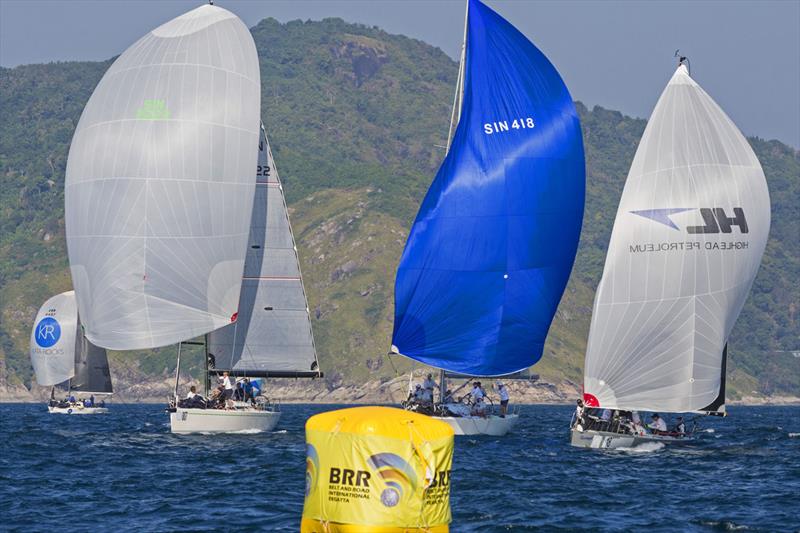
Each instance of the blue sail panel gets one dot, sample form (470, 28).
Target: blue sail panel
(493, 244)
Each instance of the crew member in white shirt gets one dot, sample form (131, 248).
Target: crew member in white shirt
(657, 424)
(429, 384)
(501, 389)
(226, 382)
(476, 392)
(192, 392)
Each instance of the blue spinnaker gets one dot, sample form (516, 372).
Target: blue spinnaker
(493, 244)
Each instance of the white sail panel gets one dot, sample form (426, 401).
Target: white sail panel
(273, 331)
(159, 184)
(687, 242)
(53, 340)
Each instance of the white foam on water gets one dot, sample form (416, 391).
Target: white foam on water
(709, 430)
(793, 435)
(251, 431)
(281, 431)
(645, 447)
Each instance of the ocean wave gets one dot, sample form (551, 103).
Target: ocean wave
(792, 435)
(645, 447)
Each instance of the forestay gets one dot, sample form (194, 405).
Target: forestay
(686, 245)
(159, 184)
(273, 331)
(52, 343)
(491, 249)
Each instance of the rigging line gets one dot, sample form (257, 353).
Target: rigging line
(389, 356)
(458, 98)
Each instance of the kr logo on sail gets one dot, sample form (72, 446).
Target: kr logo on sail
(715, 219)
(48, 331)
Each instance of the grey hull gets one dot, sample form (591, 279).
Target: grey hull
(605, 440)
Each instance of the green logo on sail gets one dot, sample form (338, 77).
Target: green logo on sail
(153, 110)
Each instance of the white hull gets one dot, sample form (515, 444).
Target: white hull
(475, 425)
(222, 421)
(605, 440)
(78, 410)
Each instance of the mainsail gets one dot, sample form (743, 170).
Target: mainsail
(688, 238)
(159, 184)
(492, 247)
(272, 335)
(53, 340)
(60, 351)
(91, 367)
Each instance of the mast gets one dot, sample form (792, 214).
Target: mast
(205, 374)
(178, 372)
(458, 98)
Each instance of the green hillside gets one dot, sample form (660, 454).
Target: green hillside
(357, 118)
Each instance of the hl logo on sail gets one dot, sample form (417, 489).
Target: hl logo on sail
(715, 219)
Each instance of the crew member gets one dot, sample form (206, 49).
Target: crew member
(429, 383)
(657, 425)
(477, 392)
(418, 393)
(501, 389)
(226, 383)
(427, 396)
(579, 412)
(192, 393)
(479, 408)
(255, 391)
(680, 427)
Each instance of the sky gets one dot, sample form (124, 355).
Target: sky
(617, 54)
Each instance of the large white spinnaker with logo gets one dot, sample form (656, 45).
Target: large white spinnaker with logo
(53, 340)
(687, 242)
(159, 184)
(272, 335)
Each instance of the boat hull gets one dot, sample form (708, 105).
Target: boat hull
(605, 440)
(474, 425)
(185, 421)
(77, 410)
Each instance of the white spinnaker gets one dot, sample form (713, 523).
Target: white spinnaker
(670, 295)
(273, 331)
(53, 340)
(159, 184)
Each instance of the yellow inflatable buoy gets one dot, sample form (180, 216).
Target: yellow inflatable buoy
(377, 470)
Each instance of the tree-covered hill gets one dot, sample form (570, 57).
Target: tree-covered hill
(357, 119)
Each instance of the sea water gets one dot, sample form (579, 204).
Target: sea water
(124, 471)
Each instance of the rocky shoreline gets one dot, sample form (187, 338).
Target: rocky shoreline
(131, 388)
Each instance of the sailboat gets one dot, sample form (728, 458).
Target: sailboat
(686, 245)
(490, 252)
(61, 355)
(272, 336)
(160, 185)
